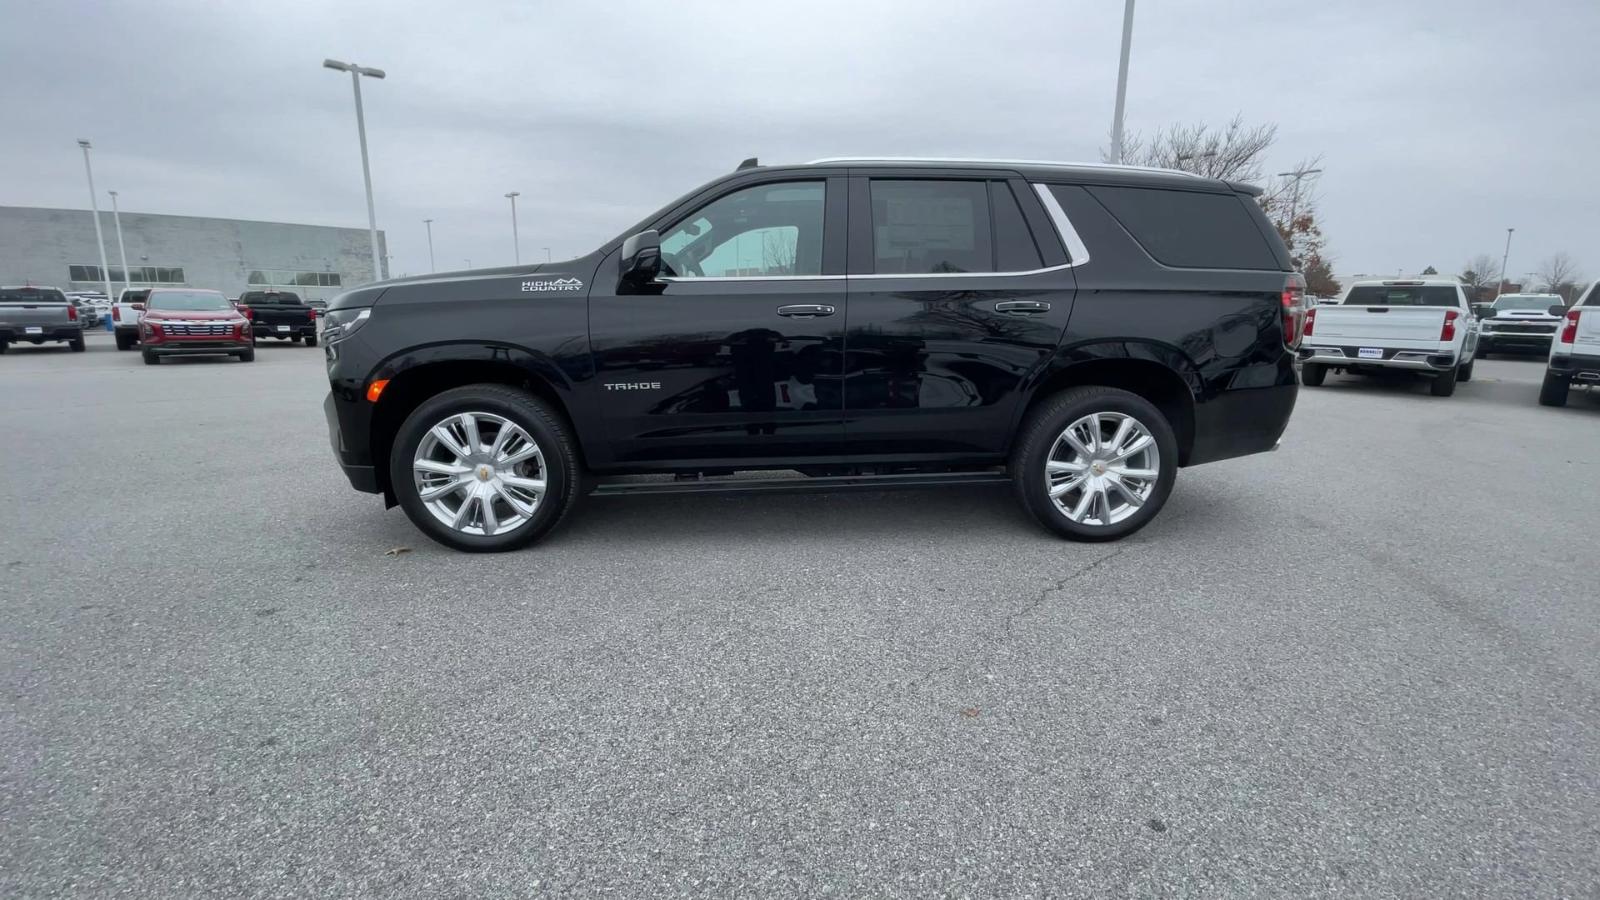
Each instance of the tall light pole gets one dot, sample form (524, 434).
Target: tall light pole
(116, 216)
(516, 245)
(546, 254)
(361, 129)
(1294, 198)
(1122, 83)
(1501, 286)
(431, 266)
(94, 204)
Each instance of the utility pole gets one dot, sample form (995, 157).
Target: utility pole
(1501, 286)
(94, 205)
(366, 171)
(116, 216)
(431, 266)
(1122, 83)
(1297, 175)
(516, 244)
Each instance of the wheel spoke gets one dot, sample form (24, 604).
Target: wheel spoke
(443, 488)
(1105, 504)
(1132, 496)
(1057, 466)
(1123, 429)
(522, 507)
(463, 516)
(1066, 485)
(1142, 474)
(434, 467)
(491, 522)
(441, 433)
(1085, 500)
(469, 425)
(1077, 445)
(1138, 446)
(529, 452)
(533, 485)
(1094, 432)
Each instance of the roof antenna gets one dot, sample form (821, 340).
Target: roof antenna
(750, 163)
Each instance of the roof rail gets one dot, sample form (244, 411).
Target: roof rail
(1010, 162)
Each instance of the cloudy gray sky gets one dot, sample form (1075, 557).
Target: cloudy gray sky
(1440, 122)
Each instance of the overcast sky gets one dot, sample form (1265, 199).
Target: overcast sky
(1440, 122)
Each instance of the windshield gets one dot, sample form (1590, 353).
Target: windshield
(31, 295)
(190, 301)
(1540, 303)
(1401, 295)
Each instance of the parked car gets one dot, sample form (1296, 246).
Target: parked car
(1520, 322)
(125, 316)
(319, 306)
(1077, 331)
(87, 314)
(1575, 352)
(37, 314)
(280, 314)
(1424, 326)
(192, 322)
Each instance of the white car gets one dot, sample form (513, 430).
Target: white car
(1519, 321)
(125, 316)
(1418, 325)
(1575, 351)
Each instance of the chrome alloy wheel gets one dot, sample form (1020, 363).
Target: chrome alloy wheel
(479, 473)
(1102, 468)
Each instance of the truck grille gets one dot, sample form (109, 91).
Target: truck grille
(199, 329)
(1525, 329)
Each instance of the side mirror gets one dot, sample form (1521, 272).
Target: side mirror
(641, 258)
(1557, 310)
(138, 306)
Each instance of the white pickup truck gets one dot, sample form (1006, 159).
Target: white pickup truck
(1519, 322)
(1421, 325)
(125, 315)
(1575, 351)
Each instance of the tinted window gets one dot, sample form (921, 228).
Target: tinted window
(1190, 230)
(270, 297)
(921, 227)
(197, 301)
(762, 231)
(1013, 244)
(1401, 295)
(31, 295)
(1540, 302)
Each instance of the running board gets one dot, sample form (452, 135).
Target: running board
(725, 485)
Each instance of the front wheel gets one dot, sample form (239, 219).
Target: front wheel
(1554, 390)
(248, 355)
(484, 468)
(150, 359)
(1095, 463)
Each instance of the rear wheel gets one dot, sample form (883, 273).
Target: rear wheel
(1312, 374)
(1465, 372)
(4, 345)
(1444, 384)
(311, 340)
(124, 340)
(294, 339)
(1554, 390)
(150, 359)
(1095, 463)
(76, 344)
(484, 468)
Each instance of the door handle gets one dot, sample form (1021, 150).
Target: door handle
(1022, 306)
(805, 310)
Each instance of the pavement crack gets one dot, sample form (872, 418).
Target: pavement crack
(1007, 626)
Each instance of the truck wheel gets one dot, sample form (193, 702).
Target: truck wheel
(311, 340)
(1095, 463)
(1464, 373)
(294, 339)
(484, 468)
(248, 355)
(1554, 390)
(1313, 374)
(124, 340)
(3, 346)
(76, 344)
(150, 359)
(1444, 383)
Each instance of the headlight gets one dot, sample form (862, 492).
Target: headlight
(338, 324)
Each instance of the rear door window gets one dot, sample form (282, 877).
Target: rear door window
(1401, 295)
(931, 227)
(1014, 249)
(1189, 229)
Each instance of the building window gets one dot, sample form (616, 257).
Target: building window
(138, 274)
(288, 278)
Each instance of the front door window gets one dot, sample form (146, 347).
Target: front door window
(771, 230)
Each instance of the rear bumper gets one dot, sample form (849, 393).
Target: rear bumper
(1241, 422)
(19, 333)
(1581, 368)
(1393, 358)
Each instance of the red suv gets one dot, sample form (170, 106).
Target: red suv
(185, 322)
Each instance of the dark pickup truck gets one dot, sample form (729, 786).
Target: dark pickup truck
(279, 314)
(1078, 332)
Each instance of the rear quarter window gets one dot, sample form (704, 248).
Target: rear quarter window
(1189, 229)
(1401, 295)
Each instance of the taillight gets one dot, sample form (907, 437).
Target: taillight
(311, 313)
(72, 313)
(116, 314)
(1447, 332)
(246, 311)
(1569, 328)
(1311, 322)
(1294, 309)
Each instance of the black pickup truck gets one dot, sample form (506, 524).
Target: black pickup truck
(1076, 331)
(279, 314)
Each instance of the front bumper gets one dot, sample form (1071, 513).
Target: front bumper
(15, 334)
(1393, 358)
(1537, 340)
(357, 465)
(196, 347)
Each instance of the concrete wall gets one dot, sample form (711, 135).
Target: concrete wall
(38, 246)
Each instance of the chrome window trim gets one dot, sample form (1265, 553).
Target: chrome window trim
(666, 279)
(918, 160)
(1077, 253)
(964, 274)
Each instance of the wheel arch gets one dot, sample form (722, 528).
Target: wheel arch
(1159, 373)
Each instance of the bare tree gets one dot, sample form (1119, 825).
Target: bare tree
(1233, 152)
(1558, 271)
(1481, 272)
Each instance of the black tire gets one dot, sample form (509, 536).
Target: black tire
(3, 346)
(124, 340)
(563, 480)
(1464, 373)
(1554, 390)
(248, 355)
(1483, 351)
(76, 344)
(1037, 440)
(1444, 383)
(150, 359)
(311, 340)
(1313, 374)
(294, 339)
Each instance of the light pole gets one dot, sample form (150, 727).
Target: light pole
(1122, 83)
(361, 129)
(1501, 286)
(1294, 199)
(516, 246)
(94, 204)
(431, 266)
(116, 216)
(546, 254)
(468, 262)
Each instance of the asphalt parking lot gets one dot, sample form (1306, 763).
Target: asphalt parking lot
(1364, 665)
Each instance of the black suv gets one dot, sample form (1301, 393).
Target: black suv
(1080, 331)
